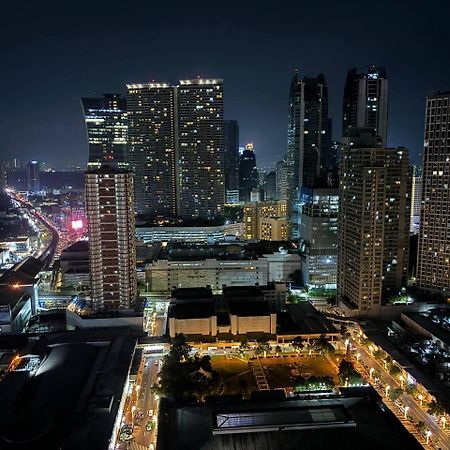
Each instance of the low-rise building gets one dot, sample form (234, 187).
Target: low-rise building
(266, 221)
(239, 264)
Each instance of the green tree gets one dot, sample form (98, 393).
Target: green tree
(348, 374)
(421, 427)
(244, 347)
(278, 350)
(395, 394)
(323, 347)
(298, 343)
(395, 371)
(411, 389)
(379, 354)
(180, 349)
(436, 408)
(263, 347)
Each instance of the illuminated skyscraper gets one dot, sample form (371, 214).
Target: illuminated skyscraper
(318, 236)
(416, 199)
(112, 243)
(373, 226)
(309, 139)
(33, 176)
(152, 147)
(200, 171)
(248, 173)
(433, 264)
(366, 101)
(106, 126)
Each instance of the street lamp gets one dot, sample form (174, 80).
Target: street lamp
(406, 411)
(420, 397)
(401, 380)
(133, 409)
(358, 355)
(371, 372)
(444, 421)
(428, 434)
(387, 390)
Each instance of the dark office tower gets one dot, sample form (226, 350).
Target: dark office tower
(33, 184)
(433, 265)
(270, 186)
(231, 154)
(248, 173)
(309, 146)
(151, 111)
(373, 225)
(106, 126)
(3, 175)
(366, 101)
(112, 244)
(200, 148)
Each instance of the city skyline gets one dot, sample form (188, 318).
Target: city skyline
(256, 90)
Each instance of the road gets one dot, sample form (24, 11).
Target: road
(438, 436)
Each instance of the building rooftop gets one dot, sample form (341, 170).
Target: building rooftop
(350, 423)
(192, 310)
(303, 318)
(430, 326)
(73, 395)
(79, 246)
(243, 308)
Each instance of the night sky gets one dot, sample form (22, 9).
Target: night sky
(54, 53)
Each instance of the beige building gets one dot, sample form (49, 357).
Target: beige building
(266, 220)
(374, 211)
(433, 263)
(241, 317)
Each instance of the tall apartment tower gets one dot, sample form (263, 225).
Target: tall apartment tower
(33, 176)
(366, 101)
(248, 173)
(106, 127)
(373, 226)
(201, 181)
(416, 199)
(282, 186)
(112, 244)
(231, 154)
(318, 235)
(433, 265)
(152, 141)
(309, 139)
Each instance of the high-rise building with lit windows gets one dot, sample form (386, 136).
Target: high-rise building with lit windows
(200, 169)
(366, 101)
(309, 139)
(416, 199)
(152, 147)
(248, 173)
(318, 236)
(33, 176)
(112, 243)
(106, 127)
(373, 225)
(433, 263)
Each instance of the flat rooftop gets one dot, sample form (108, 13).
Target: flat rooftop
(303, 318)
(430, 326)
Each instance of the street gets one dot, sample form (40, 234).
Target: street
(438, 436)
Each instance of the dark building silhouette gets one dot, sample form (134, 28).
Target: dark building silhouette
(248, 173)
(309, 139)
(366, 101)
(33, 172)
(231, 154)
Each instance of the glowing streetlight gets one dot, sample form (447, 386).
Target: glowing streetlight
(358, 355)
(133, 409)
(428, 435)
(401, 380)
(443, 421)
(387, 390)
(420, 397)
(406, 411)
(371, 371)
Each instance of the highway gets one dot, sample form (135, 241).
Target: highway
(48, 254)
(438, 436)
